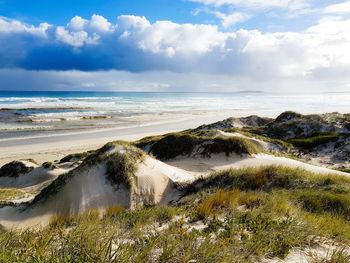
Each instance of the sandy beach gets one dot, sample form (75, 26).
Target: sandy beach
(53, 147)
(197, 131)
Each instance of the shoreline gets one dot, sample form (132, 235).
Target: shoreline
(53, 147)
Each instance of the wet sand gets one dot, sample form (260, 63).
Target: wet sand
(53, 147)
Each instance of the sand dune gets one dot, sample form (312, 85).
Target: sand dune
(155, 181)
(88, 187)
(91, 189)
(220, 162)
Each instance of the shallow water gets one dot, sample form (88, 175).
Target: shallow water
(32, 113)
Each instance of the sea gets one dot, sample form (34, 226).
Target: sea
(24, 113)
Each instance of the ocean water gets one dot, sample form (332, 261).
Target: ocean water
(38, 112)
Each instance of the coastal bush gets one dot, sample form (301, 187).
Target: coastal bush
(14, 169)
(148, 141)
(325, 202)
(230, 145)
(313, 141)
(74, 157)
(174, 145)
(203, 143)
(49, 165)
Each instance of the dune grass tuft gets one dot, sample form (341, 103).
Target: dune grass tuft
(196, 142)
(268, 178)
(315, 140)
(244, 215)
(7, 194)
(14, 169)
(121, 167)
(114, 211)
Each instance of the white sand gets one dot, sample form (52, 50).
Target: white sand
(54, 147)
(33, 182)
(91, 190)
(87, 190)
(155, 181)
(154, 184)
(221, 162)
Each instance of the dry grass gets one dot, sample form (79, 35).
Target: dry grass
(7, 194)
(248, 214)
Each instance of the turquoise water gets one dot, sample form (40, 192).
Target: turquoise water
(37, 111)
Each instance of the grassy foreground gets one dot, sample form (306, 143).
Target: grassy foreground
(232, 216)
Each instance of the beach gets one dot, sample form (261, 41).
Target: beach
(46, 126)
(53, 147)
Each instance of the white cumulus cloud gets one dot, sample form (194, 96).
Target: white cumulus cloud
(231, 19)
(257, 4)
(340, 8)
(75, 39)
(9, 26)
(134, 44)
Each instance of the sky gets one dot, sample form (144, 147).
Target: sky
(175, 45)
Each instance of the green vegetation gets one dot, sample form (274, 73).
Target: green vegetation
(313, 141)
(121, 167)
(242, 216)
(7, 194)
(265, 178)
(14, 169)
(75, 156)
(307, 197)
(204, 142)
(345, 170)
(49, 165)
(259, 134)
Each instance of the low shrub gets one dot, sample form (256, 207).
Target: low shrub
(185, 143)
(14, 169)
(324, 202)
(313, 141)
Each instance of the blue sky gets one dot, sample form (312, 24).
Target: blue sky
(59, 12)
(179, 11)
(172, 45)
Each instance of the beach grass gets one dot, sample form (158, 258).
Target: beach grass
(7, 194)
(121, 167)
(315, 140)
(243, 215)
(192, 142)
(120, 158)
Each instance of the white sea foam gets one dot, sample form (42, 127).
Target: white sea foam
(155, 107)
